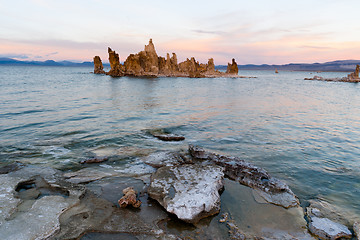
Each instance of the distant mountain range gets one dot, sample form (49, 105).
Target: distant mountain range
(14, 62)
(340, 65)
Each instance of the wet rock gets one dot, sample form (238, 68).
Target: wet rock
(95, 160)
(324, 228)
(190, 191)
(98, 66)
(232, 68)
(31, 207)
(129, 198)
(356, 228)
(8, 202)
(170, 137)
(87, 175)
(11, 167)
(234, 232)
(315, 78)
(40, 222)
(271, 189)
(320, 224)
(161, 159)
(164, 136)
(323, 209)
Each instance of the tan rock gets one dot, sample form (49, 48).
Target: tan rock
(232, 68)
(98, 66)
(116, 69)
(210, 68)
(148, 63)
(129, 198)
(132, 65)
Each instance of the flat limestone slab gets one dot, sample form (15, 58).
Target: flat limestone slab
(190, 191)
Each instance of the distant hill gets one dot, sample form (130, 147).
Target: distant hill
(14, 62)
(340, 65)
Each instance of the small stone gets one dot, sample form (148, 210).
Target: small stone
(129, 198)
(224, 218)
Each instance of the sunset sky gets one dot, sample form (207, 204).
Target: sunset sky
(258, 31)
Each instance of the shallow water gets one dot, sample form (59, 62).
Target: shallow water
(304, 132)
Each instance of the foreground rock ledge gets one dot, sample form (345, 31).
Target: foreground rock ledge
(271, 189)
(148, 64)
(190, 191)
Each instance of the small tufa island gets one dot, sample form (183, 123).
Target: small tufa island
(148, 64)
(352, 77)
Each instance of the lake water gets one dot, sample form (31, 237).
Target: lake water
(304, 132)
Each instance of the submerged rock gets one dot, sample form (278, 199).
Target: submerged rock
(263, 220)
(129, 198)
(271, 189)
(190, 191)
(86, 175)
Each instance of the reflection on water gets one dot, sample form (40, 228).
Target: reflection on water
(305, 132)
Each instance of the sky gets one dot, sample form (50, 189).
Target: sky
(252, 32)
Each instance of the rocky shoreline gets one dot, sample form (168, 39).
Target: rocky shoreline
(147, 63)
(352, 77)
(189, 187)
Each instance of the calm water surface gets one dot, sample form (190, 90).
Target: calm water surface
(304, 132)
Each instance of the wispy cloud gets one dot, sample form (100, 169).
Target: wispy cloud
(14, 55)
(208, 32)
(316, 47)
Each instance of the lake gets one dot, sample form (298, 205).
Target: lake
(306, 133)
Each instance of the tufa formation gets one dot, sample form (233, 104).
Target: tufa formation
(98, 67)
(147, 63)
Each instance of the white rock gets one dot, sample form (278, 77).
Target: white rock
(161, 159)
(191, 192)
(8, 203)
(40, 222)
(327, 229)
